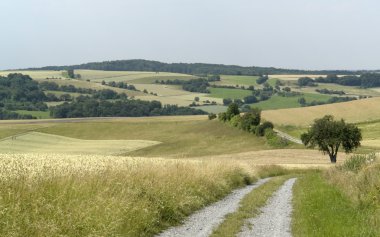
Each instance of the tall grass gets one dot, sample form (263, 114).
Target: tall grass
(61, 195)
(321, 209)
(341, 201)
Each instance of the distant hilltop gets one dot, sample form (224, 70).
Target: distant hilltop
(191, 68)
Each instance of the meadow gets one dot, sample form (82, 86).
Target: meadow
(279, 102)
(229, 93)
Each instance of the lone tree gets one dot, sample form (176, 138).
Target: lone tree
(329, 135)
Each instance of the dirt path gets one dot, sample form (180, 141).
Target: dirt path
(275, 219)
(204, 221)
(288, 137)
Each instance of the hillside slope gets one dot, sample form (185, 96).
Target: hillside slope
(353, 111)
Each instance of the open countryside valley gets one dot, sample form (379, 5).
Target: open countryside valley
(142, 118)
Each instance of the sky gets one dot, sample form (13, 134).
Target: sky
(298, 34)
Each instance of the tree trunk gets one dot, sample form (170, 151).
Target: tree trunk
(333, 158)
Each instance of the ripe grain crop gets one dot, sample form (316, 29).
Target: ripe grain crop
(89, 195)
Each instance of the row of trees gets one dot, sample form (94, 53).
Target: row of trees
(366, 80)
(302, 101)
(5, 114)
(90, 107)
(121, 84)
(199, 85)
(330, 92)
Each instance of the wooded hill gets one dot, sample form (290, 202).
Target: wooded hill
(189, 68)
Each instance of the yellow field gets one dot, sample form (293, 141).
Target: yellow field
(170, 94)
(134, 77)
(353, 111)
(36, 74)
(293, 77)
(35, 142)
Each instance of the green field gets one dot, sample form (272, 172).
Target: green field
(234, 80)
(279, 102)
(179, 138)
(37, 114)
(213, 108)
(229, 93)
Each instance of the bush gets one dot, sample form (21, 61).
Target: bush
(211, 116)
(260, 130)
(222, 117)
(233, 109)
(236, 121)
(251, 119)
(274, 140)
(357, 162)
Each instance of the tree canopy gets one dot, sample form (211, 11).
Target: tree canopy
(329, 135)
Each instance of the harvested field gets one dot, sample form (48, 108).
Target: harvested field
(292, 158)
(353, 111)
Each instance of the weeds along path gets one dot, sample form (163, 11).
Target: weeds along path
(204, 221)
(275, 219)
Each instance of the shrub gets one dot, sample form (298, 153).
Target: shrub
(251, 119)
(211, 116)
(236, 121)
(222, 117)
(357, 162)
(260, 130)
(233, 109)
(274, 140)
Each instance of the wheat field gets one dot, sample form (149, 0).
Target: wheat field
(353, 111)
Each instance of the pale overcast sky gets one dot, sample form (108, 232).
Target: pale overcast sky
(304, 34)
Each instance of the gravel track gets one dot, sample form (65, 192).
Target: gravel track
(274, 221)
(204, 221)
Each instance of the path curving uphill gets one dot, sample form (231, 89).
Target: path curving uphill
(203, 222)
(275, 219)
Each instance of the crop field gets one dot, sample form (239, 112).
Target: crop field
(279, 102)
(92, 85)
(170, 94)
(229, 93)
(131, 76)
(213, 108)
(92, 195)
(233, 80)
(37, 75)
(353, 111)
(179, 138)
(349, 90)
(287, 77)
(35, 142)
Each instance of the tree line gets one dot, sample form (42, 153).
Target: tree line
(85, 106)
(188, 68)
(366, 80)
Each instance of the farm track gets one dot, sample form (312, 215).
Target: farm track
(275, 219)
(287, 137)
(204, 221)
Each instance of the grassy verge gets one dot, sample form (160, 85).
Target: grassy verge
(63, 195)
(250, 207)
(321, 209)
